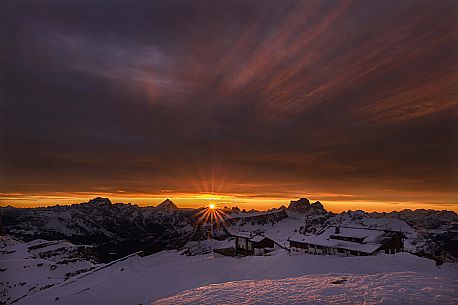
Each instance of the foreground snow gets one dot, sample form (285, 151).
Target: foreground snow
(381, 288)
(27, 268)
(141, 280)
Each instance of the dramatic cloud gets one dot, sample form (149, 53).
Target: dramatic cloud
(344, 101)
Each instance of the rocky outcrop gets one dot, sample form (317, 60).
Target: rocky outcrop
(303, 206)
(99, 201)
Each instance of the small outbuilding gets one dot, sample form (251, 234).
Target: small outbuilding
(247, 243)
(346, 241)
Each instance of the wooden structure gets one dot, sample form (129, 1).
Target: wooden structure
(254, 244)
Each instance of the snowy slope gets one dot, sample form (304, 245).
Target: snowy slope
(361, 218)
(280, 231)
(140, 280)
(421, 218)
(381, 288)
(27, 268)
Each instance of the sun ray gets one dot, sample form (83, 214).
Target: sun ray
(202, 217)
(210, 216)
(220, 221)
(200, 212)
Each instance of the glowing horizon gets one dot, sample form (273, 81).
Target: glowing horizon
(219, 201)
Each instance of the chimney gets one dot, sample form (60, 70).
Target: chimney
(337, 230)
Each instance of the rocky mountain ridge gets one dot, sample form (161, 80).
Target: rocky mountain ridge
(118, 229)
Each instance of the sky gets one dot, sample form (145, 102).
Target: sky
(248, 103)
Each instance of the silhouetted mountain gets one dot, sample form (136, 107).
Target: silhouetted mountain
(303, 206)
(167, 206)
(99, 201)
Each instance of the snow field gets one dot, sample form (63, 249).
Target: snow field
(381, 288)
(141, 280)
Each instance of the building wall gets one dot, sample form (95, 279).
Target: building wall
(319, 250)
(265, 243)
(243, 246)
(299, 250)
(298, 245)
(394, 245)
(259, 251)
(241, 242)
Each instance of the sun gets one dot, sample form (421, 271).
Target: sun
(211, 215)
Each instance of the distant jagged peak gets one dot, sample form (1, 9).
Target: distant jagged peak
(352, 215)
(303, 205)
(99, 201)
(317, 205)
(301, 202)
(167, 205)
(282, 207)
(235, 210)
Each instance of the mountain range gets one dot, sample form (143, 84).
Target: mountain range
(119, 229)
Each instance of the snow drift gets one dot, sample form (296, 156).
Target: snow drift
(381, 288)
